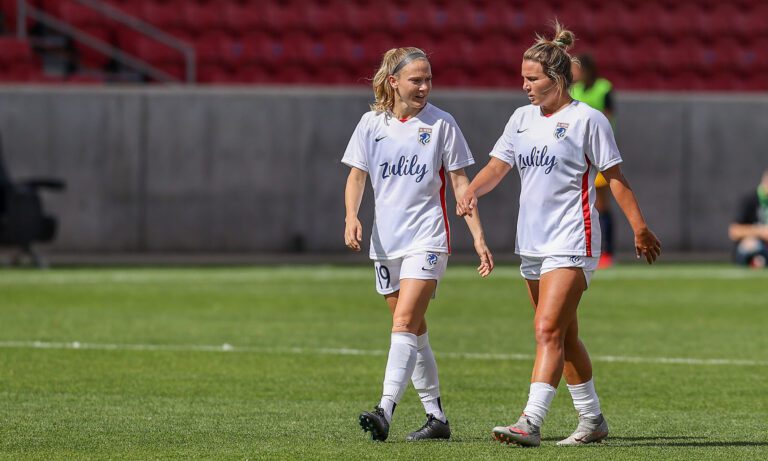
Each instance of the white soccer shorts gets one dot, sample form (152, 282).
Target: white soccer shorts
(424, 265)
(532, 268)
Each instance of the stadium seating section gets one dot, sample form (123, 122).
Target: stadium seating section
(638, 44)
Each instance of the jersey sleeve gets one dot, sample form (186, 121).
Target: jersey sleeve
(456, 153)
(600, 144)
(504, 149)
(354, 156)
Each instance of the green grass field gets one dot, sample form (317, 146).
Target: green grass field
(277, 362)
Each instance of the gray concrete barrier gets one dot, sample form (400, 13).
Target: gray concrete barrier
(257, 169)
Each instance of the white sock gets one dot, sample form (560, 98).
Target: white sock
(425, 378)
(400, 364)
(585, 399)
(539, 399)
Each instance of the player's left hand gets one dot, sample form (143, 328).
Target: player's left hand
(648, 245)
(486, 258)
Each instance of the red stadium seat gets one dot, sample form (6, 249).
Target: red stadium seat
(374, 46)
(722, 19)
(162, 15)
(242, 18)
(647, 19)
(15, 51)
(520, 23)
(362, 18)
(448, 17)
(249, 49)
(89, 56)
(282, 16)
(214, 74)
(79, 15)
(323, 16)
(402, 19)
(203, 17)
(682, 20)
(292, 73)
(278, 52)
(209, 47)
(611, 21)
(254, 74)
(754, 22)
(156, 53)
(476, 19)
(178, 71)
(334, 75)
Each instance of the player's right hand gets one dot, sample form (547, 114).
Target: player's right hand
(466, 204)
(353, 234)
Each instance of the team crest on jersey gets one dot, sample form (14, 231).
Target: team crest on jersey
(560, 130)
(425, 135)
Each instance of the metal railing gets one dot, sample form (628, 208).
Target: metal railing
(144, 28)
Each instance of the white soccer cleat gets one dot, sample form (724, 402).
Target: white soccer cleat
(589, 430)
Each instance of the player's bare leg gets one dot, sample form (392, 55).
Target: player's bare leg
(408, 306)
(592, 427)
(555, 298)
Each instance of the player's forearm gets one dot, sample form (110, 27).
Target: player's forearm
(489, 177)
(460, 183)
(475, 226)
(353, 195)
(627, 201)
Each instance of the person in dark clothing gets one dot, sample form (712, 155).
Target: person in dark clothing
(749, 231)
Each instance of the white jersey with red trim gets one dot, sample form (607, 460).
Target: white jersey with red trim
(406, 162)
(558, 158)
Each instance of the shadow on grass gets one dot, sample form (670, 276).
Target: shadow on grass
(680, 442)
(648, 441)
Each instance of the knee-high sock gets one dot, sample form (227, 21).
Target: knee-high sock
(539, 400)
(400, 365)
(425, 378)
(585, 399)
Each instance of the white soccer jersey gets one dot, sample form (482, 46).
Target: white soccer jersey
(406, 162)
(558, 158)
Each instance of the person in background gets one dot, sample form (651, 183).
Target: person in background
(596, 91)
(749, 231)
(408, 148)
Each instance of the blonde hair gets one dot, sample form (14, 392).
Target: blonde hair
(553, 56)
(391, 64)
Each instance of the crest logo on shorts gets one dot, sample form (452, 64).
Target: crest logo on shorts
(560, 130)
(425, 135)
(431, 261)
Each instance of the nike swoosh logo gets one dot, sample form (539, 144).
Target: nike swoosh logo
(379, 138)
(426, 269)
(520, 131)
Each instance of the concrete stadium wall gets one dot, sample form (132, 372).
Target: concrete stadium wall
(257, 170)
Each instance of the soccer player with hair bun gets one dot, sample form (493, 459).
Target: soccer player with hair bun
(408, 147)
(558, 145)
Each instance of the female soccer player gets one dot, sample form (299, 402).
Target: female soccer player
(406, 146)
(558, 145)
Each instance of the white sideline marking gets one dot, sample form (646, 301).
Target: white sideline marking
(346, 351)
(285, 274)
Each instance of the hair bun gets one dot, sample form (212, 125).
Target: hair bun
(563, 38)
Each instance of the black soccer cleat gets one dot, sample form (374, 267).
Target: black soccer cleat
(376, 423)
(432, 429)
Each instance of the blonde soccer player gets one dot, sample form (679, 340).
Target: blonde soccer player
(558, 145)
(408, 148)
